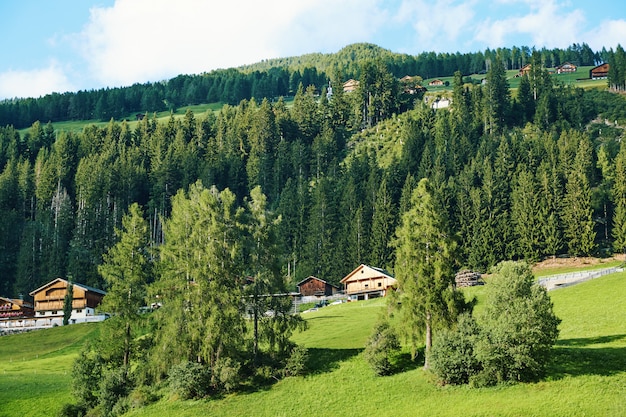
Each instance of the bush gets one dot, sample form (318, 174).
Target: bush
(452, 357)
(381, 349)
(72, 410)
(297, 362)
(226, 374)
(189, 380)
(519, 326)
(114, 387)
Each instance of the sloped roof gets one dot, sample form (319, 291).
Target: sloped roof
(364, 267)
(311, 277)
(75, 284)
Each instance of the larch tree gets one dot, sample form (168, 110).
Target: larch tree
(126, 270)
(424, 269)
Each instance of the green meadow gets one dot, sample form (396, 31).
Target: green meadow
(587, 376)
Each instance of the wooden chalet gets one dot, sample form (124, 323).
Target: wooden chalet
(367, 282)
(436, 82)
(49, 300)
(599, 72)
(15, 309)
(313, 286)
(566, 68)
(350, 85)
(524, 70)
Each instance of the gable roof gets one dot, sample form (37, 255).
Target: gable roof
(365, 268)
(75, 284)
(311, 277)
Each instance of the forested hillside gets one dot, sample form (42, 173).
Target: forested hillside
(275, 78)
(539, 174)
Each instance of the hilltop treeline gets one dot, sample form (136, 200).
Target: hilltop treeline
(517, 178)
(271, 78)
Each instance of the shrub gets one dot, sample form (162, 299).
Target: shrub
(226, 374)
(297, 362)
(72, 410)
(189, 380)
(114, 387)
(519, 326)
(381, 349)
(452, 358)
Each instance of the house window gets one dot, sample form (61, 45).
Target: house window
(54, 312)
(42, 313)
(79, 311)
(380, 284)
(366, 285)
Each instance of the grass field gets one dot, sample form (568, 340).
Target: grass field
(586, 378)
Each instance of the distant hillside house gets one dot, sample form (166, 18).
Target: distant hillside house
(367, 282)
(50, 297)
(313, 286)
(566, 68)
(599, 72)
(350, 85)
(15, 309)
(436, 82)
(524, 70)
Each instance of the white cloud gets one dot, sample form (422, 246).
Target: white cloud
(608, 34)
(149, 40)
(547, 23)
(34, 83)
(437, 24)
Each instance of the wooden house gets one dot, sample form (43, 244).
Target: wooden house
(313, 286)
(15, 309)
(524, 70)
(436, 82)
(49, 301)
(566, 68)
(599, 72)
(350, 85)
(366, 282)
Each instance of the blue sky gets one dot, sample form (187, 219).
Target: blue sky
(68, 45)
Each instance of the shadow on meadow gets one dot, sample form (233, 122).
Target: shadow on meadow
(577, 357)
(326, 360)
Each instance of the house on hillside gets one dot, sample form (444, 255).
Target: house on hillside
(367, 282)
(49, 301)
(313, 286)
(435, 83)
(15, 309)
(566, 68)
(350, 85)
(524, 70)
(599, 72)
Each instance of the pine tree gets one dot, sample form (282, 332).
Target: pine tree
(425, 270)
(126, 271)
(619, 199)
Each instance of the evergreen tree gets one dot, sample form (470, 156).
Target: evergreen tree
(126, 271)
(619, 199)
(425, 270)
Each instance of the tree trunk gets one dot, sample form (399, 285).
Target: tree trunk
(429, 339)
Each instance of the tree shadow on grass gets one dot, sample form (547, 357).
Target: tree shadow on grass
(577, 357)
(326, 360)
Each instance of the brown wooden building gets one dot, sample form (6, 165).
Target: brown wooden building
(350, 85)
(601, 71)
(565, 68)
(317, 287)
(366, 282)
(15, 309)
(49, 299)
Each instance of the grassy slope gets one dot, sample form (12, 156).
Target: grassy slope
(588, 376)
(35, 369)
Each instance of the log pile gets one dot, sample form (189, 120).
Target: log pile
(467, 278)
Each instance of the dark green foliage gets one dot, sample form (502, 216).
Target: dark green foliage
(189, 380)
(296, 364)
(67, 304)
(453, 357)
(510, 342)
(382, 348)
